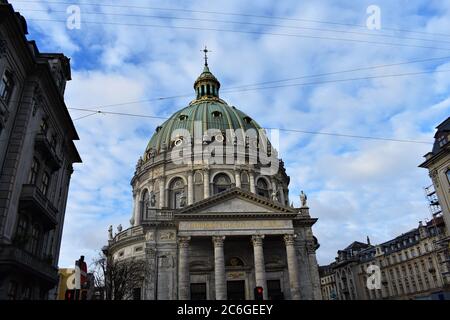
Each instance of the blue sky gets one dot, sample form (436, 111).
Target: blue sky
(355, 187)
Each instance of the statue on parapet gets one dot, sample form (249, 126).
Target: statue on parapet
(303, 199)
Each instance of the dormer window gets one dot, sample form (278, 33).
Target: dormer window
(217, 114)
(158, 128)
(247, 119)
(183, 117)
(6, 86)
(442, 140)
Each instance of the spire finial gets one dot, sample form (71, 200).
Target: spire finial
(206, 55)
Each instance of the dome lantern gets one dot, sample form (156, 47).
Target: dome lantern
(206, 85)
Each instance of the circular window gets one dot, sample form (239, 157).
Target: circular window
(178, 142)
(219, 138)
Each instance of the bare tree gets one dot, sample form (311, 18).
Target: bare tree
(118, 277)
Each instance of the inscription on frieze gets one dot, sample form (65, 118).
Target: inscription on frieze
(234, 225)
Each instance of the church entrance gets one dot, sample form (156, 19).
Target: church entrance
(274, 290)
(236, 290)
(198, 291)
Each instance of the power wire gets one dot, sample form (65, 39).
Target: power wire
(49, 11)
(232, 14)
(250, 32)
(266, 128)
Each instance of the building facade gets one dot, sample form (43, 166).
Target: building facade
(36, 157)
(216, 223)
(438, 164)
(328, 282)
(410, 266)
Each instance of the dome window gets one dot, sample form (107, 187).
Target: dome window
(183, 117)
(262, 188)
(177, 195)
(247, 119)
(178, 142)
(221, 183)
(158, 128)
(219, 138)
(217, 114)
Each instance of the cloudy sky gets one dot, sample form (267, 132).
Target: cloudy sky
(141, 50)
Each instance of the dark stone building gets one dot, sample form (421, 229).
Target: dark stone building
(36, 157)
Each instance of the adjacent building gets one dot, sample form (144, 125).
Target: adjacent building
(438, 164)
(213, 229)
(36, 157)
(328, 282)
(410, 266)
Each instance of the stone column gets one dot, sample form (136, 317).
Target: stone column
(292, 266)
(282, 197)
(190, 198)
(251, 175)
(314, 271)
(260, 270)
(237, 177)
(219, 268)
(206, 183)
(183, 268)
(162, 196)
(136, 210)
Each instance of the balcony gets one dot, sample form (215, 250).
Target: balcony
(16, 257)
(44, 146)
(32, 198)
(152, 215)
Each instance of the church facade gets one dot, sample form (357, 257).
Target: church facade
(211, 211)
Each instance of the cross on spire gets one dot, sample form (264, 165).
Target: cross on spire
(206, 55)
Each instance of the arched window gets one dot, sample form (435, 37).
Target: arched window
(245, 184)
(177, 196)
(221, 183)
(198, 186)
(262, 188)
(144, 202)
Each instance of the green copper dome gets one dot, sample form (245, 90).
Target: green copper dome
(211, 113)
(207, 111)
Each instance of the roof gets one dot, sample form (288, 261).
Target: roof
(203, 113)
(206, 75)
(357, 245)
(443, 128)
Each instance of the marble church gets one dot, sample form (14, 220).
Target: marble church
(212, 215)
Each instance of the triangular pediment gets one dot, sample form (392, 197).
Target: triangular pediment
(236, 201)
